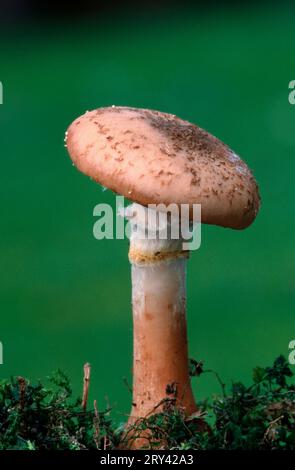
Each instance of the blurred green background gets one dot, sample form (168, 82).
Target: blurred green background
(65, 297)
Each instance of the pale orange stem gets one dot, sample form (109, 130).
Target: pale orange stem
(160, 367)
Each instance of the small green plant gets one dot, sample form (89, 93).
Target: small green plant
(259, 416)
(44, 417)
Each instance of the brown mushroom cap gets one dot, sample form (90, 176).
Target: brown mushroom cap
(152, 158)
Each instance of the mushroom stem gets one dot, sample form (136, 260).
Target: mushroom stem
(160, 367)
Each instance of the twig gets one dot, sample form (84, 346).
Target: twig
(86, 383)
(96, 424)
(270, 426)
(22, 392)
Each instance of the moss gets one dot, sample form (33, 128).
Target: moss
(258, 416)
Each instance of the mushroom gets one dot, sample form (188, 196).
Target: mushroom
(156, 158)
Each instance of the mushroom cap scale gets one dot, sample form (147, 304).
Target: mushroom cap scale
(152, 157)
